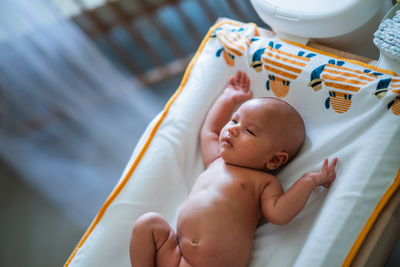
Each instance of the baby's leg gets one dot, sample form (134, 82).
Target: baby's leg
(154, 243)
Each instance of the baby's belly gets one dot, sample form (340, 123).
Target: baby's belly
(216, 232)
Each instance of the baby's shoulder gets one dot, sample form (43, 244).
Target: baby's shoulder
(269, 178)
(262, 176)
(264, 182)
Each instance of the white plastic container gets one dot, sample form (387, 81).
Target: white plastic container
(343, 24)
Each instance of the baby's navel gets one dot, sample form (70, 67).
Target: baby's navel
(195, 242)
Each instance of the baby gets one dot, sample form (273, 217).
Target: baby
(216, 224)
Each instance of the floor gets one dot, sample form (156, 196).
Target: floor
(34, 232)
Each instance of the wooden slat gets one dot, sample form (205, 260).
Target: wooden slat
(191, 29)
(97, 23)
(125, 21)
(100, 26)
(175, 47)
(158, 74)
(237, 10)
(208, 11)
(172, 44)
(131, 18)
(90, 31)
(149, 11)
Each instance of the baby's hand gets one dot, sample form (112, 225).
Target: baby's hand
(238, 88)
(326, 176)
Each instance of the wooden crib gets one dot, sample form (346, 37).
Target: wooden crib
(148, 60)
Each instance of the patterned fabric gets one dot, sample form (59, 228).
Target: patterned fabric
(283, 63)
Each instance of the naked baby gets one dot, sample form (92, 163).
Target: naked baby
(240, 148)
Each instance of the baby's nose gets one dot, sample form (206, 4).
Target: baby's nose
(233, 130)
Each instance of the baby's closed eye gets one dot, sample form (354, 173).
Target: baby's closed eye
(250, 132)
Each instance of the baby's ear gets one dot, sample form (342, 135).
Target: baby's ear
(277, 160)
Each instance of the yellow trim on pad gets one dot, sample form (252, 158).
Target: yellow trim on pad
(379, 207)
(365, 65)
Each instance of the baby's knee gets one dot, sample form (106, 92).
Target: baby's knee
(150, 221)
(152, 225)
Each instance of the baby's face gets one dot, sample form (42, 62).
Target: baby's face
(249, 139)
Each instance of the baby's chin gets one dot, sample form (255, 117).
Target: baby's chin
(223, 156)
(228, 160)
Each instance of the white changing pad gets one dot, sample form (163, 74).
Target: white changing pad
(351, 111)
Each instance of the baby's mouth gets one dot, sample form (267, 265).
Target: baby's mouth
(227, 141)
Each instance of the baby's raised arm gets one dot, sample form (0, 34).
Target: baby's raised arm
(236, 92)
(280, 208)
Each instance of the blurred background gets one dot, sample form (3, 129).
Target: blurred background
(79, 82)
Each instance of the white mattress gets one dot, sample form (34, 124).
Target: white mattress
(362, 132)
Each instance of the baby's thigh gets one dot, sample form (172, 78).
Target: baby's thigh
(153, 231)
(169, 254)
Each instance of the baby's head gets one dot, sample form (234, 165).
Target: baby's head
(264, 134)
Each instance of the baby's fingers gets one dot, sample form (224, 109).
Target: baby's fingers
(324, 171)
(246, 84)
(332, 172)
(232, 80)
(239, 77)
(333, 165)
(243, 80)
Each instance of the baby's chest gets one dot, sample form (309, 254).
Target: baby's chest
(243, 187)
(231, 184)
